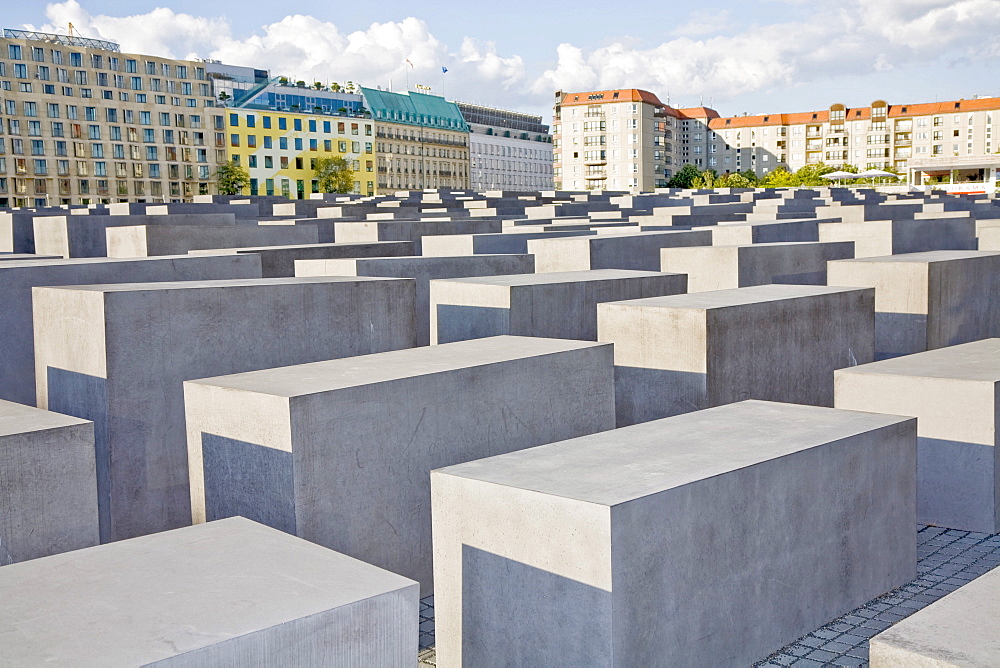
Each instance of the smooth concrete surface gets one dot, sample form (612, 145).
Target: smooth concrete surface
(118, 355)
(561, 305)
(412, 230)
(85, 236)
(228, 593)
(150, 240)
(340, 452)
(638, 251)
(279, 261)
(927, 300)
(684, 353)
(707, 539)
(422, 270)
(17, 278)
(875, 238)
(954, 394)
(48, 484)
(769, 231)
(726, 267)
(961, 629)
(504, 242)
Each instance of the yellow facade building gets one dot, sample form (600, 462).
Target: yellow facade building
(279, 149)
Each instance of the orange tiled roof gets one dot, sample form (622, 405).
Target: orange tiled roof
(614, 95)
(698, 112)
(860, 113)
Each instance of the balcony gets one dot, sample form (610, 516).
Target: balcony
(595, 161)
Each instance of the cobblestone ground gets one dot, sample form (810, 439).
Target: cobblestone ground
(946, 560)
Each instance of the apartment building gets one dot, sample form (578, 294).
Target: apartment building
(878, 136)
(81, 123)
(614, 140)
(422, 141)
(279, 149)
(277, 130)
(508, 150)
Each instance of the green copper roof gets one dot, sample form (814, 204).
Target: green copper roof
(429, 111)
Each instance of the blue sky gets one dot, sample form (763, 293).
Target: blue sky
(755, 57)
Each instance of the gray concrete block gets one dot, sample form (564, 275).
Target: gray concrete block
(954, 393)
(769, 231)
(85, 236)
(560, 305)
(707, 539)
(133, 345)
(228, 593)
(17, 354)
(684, 353)
(640, 251)
(504, 242)
(48, 484)
(927, 300)
(279, 261)
(874, 238)
(412, 230)
(726, 267)
(150, 240)
(422, 270)
(340, 452)
(960, 629)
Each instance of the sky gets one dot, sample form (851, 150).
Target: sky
(763, 56)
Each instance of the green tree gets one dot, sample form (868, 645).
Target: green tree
(318, 85)
(232, 179)
(780, 178)
(738, 180)
(812, 175)
(684, 178)
(707, 179)
(334, 175)
(751, 177)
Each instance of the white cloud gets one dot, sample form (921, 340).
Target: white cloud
(849, 38)
(710, 54)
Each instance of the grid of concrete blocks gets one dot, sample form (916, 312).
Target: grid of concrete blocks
(686, 428)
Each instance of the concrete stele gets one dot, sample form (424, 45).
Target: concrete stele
(655, 540)
(48, 483)
(227, 593)
(682, 353)
(118, 355)
(556, 305)
(954, 394)
(339, 452)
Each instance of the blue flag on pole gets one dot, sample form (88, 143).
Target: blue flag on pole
(443, 69)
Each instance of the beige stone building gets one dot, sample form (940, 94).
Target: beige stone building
(83, 123)
(623, 139)
(422, 141)
(878, 136)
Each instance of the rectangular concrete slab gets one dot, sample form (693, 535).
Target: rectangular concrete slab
(696, 538)
(17, 278)
(48, 483)
(556, 305)
(687, 352)
(927, 300)
(340, 452)
(279, 261)
(725, 267)
(474, 244)
(638, 251)
(874, 238)
(960, 629)
(228, 593)
(85, 236)
(150, 240)
(422, 270)
(954, 393)
(118, 355)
